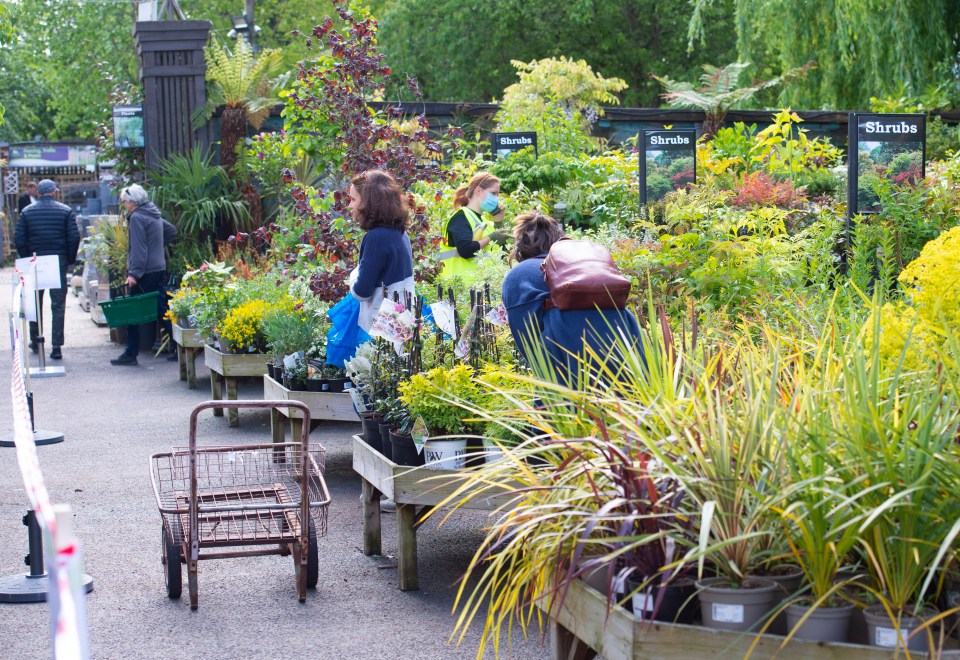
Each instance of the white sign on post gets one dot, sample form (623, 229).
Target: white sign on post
(39, 273)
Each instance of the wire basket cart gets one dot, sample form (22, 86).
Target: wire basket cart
(241, 501)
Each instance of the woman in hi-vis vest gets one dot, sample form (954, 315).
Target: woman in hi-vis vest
(467, 236)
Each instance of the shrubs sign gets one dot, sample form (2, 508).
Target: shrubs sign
(883, 147)
(505, 144)
(668, 162)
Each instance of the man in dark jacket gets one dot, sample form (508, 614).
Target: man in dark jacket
(146, 262)
(48, 227)
(28, 197)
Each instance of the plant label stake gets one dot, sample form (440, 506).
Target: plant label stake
(419, 434)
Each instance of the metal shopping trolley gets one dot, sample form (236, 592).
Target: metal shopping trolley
(249, 500)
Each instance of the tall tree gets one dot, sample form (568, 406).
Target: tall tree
(459, 55)
(64, 99)
(863, 48)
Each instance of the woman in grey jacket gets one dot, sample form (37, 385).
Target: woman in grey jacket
(146, 264)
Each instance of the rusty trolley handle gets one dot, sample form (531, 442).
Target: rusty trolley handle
(304, 455)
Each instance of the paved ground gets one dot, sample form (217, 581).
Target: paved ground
(114, 418)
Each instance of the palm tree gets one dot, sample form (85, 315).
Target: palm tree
(719, 92)
(239, 80)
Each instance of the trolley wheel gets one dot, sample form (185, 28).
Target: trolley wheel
(313, 558)
(172, 574)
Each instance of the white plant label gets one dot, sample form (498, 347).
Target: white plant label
(420, 434)
(643, 602)
(443, 316)
(885, 637)
(358, 403)
(727, 613)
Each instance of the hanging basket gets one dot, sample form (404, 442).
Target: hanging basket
(131, 310)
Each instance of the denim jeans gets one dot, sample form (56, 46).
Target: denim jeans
(149, 282)
(58, 308)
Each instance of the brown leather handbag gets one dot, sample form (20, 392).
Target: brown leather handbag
(582, 275)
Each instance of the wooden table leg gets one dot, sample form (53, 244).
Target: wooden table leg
(216, 392)
(191, 363)
(296, 428)
(407, 550)
(564, 645)
(182, 361)
(233, 415)
(371, 518)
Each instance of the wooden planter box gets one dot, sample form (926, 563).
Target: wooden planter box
(189, 347)
(225, 369)
(330, 406)
(583, 628)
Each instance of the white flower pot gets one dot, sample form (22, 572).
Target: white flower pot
(493, 452)
(445, 454)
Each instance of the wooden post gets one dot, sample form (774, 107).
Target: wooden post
(182, 361)
(407, 547)
(172, 71)
(216, 392)
(191, 361)
(233, 414)
(370, 496)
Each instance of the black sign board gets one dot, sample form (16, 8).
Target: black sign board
(505, 144)
(668, 162)
(882, 147)
(128, 126)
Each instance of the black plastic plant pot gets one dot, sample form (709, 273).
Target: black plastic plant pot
(371, 432)
(678, 604)
(316, 384)
(404, 451)
(337, 384)
(387, 447)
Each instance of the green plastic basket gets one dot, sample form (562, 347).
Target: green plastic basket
(131, 310)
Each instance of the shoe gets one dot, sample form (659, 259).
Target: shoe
(55, 353)
(388, 506)
(33, 347)
(125, 359)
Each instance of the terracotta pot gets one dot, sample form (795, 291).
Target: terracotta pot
(726, 608)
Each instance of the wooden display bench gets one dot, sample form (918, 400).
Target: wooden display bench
(583, 628)
(409, 488)
(225, 369)
(189, 347)
(330, 406)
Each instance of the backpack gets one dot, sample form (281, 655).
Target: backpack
(582, 275)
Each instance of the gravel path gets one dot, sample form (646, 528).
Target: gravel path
(113, 419)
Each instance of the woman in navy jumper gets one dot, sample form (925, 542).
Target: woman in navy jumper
(386, 257)
(561, 333)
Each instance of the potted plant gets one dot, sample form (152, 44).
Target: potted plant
(432, 397)
(317, 380)
(295, 375)
(286, 330)
(241, 331)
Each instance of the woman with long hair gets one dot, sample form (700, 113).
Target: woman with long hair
(385, 266)
(467, 237)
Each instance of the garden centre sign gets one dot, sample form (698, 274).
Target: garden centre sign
(882, 148)
(52, 155)
(668, 161)
(128, 126)
(505, 144)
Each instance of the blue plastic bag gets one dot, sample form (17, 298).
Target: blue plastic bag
(345, 335)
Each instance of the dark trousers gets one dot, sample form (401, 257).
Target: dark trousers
(58, 308)
(148, 283)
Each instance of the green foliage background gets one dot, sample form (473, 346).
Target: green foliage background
(59, 59)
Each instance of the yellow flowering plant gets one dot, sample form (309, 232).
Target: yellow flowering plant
(243, 326)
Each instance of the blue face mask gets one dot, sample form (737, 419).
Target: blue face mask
(490, 203)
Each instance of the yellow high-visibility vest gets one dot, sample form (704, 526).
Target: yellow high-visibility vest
(453, 263)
